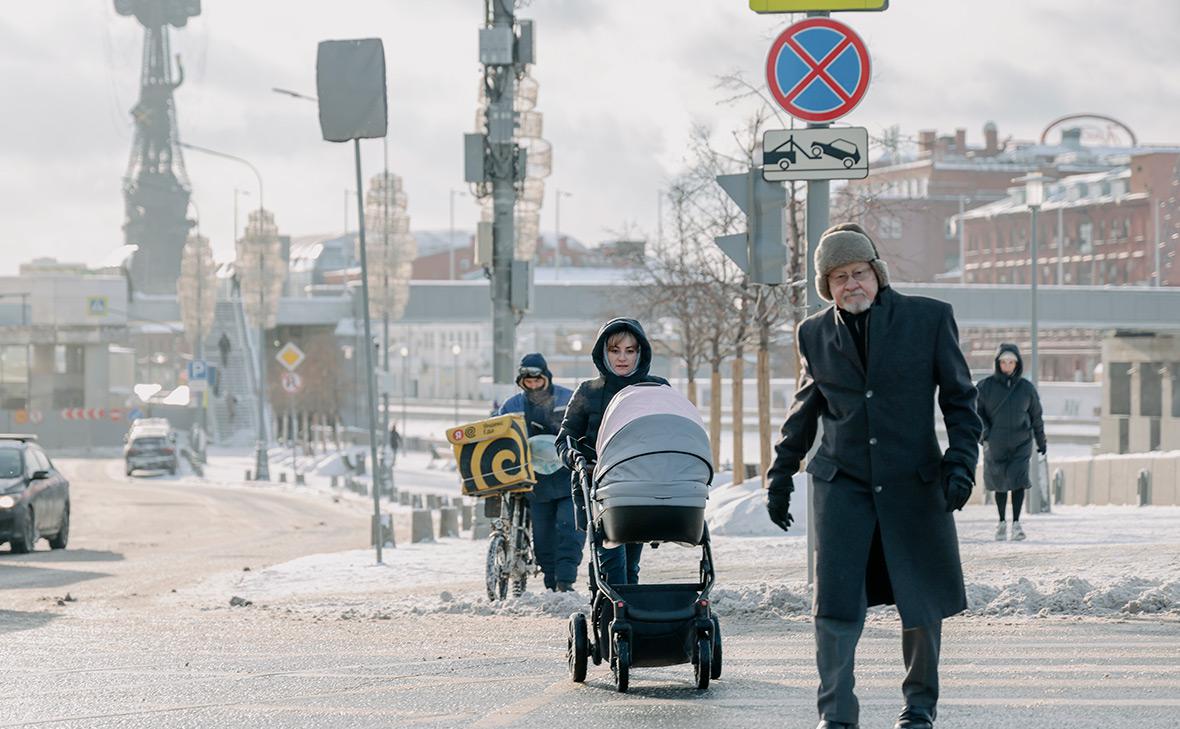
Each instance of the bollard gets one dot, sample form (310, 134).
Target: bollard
(282, 477)
(448, 522)
(1059, 486)
(249, 475)
(466, 513)
(421, 526)
(1144, 487)
(333, 482)
(300, 480)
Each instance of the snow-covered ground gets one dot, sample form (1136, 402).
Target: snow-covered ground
(1099, 562)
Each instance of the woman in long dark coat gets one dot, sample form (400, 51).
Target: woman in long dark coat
(1010, 409)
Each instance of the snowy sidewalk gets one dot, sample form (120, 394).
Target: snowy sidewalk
(1095, 562)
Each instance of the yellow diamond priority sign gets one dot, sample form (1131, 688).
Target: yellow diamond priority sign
(290, 356)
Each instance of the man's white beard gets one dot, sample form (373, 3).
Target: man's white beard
(856, 305)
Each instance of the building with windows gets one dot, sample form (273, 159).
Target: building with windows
(1140, 393)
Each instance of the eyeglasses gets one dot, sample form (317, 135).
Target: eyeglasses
(524, 372)
(840, 279)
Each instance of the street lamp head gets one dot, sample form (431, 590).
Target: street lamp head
(576, 345)
(1034, 188)
(456, 350)
(404, 352)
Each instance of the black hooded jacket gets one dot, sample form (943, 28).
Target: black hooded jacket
(585, 411)
(1010, 409)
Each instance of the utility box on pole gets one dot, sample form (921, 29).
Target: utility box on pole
(761, 252)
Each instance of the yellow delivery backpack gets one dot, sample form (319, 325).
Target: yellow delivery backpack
(493, 455)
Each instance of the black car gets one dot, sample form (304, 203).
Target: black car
(34, 496)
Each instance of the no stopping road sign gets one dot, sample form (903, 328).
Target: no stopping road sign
(818, 69)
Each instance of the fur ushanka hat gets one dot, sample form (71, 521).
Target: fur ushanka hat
(843, 244)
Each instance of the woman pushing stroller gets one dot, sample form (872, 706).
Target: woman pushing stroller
(622, 355)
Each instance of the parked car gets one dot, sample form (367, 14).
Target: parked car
(34, 496)
(151, 445)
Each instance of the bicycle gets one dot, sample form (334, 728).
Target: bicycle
(510, 558)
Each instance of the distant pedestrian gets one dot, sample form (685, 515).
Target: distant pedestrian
(395, 440)
(223, 345)
(1010, 409)
(231, 404)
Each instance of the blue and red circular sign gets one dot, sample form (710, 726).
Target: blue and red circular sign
(818, 69)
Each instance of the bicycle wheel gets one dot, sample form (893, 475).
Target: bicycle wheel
(496, 569)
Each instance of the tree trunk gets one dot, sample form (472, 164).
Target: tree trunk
(715, 412)
(739, 465)
(691, 387)
(763, 399)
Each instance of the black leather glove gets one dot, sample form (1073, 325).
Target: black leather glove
(778, 506)
(1043, 449)
(956, 486)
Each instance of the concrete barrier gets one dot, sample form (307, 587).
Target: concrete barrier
(421, 526)
(1114, 478)
(466, 513)
(448, 522)
(481, 526)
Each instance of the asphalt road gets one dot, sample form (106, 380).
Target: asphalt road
(129, 652)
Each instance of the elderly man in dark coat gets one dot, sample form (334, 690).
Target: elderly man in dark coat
(884, 490)
(1010, 409)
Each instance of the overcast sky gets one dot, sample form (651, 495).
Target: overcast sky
(621, 82)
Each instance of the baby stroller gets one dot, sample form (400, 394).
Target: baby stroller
(649, 485)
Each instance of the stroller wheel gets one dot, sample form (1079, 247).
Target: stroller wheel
(577, 648)
(621, 665)
(716, 672)
(703, 664)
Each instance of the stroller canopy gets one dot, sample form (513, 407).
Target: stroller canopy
(652, 433)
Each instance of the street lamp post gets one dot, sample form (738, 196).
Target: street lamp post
(557, 232)
(261, 465)
(405, 353)
(1034, 197)
(456, 350)
(451, 238)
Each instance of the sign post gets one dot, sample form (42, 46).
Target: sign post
(817, 70)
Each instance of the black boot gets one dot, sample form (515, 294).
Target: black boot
(915, 717)
(565, 587)
(825, 724)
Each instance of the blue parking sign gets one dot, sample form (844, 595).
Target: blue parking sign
(197, 370)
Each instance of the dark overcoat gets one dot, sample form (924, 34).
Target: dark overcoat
(1010, 409)
(881, 523)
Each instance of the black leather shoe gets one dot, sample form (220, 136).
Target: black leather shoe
(825, 724)
(915, 717)
(565, 587)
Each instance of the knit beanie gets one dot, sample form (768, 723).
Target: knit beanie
(843, 244)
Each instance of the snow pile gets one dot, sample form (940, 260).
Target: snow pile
(1075, 596)
(739, 510)
(763, 600)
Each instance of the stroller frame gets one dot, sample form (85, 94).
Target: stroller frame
(642, 625)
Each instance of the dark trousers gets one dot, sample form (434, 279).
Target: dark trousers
(621, 564)
(556, 541)
(835, 657)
